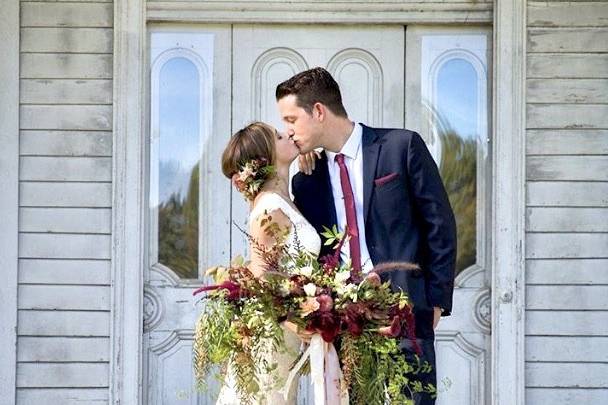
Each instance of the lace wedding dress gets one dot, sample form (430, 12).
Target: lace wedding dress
(307, 237)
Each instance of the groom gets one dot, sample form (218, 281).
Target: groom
(385, 187)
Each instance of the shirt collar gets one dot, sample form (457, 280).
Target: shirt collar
(352, 146)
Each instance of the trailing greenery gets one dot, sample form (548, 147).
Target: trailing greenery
(376, 370)
(238, 338)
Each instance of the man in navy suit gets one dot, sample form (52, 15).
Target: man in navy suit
(384, 187)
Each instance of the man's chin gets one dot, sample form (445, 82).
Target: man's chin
(303, 149)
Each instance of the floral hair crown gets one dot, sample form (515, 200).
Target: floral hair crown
(251, 177)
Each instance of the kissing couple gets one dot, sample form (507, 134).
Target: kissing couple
(381, 185)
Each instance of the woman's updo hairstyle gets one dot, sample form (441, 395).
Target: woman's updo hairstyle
(249, 158)
(255, 141)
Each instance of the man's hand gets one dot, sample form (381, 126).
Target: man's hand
(303, 334)
(306, 161)
(436, 316)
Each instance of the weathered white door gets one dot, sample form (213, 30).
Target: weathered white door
(448, 102)
(189, 222)
(238, 69)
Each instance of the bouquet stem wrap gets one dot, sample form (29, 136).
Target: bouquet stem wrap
(325, 373)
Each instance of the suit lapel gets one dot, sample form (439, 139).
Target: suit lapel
(371, 151)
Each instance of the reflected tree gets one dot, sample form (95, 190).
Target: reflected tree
(458, 169)
(178, 229)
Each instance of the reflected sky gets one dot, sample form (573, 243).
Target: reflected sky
(457, 97)
(179, 125)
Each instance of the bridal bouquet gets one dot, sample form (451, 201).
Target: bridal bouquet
(242, 318)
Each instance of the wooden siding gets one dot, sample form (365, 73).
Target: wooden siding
(567, 203)
(63, 346)
(65, 202)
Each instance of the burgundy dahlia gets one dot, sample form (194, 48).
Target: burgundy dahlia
(355, 316)
(326, 303)
(327, 324)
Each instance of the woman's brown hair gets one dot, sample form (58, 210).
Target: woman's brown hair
(255, 141)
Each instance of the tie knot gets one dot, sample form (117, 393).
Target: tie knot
(340, 158)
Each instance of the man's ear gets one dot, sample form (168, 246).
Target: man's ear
(319, 111)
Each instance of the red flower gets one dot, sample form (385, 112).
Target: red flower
(411, 328)
(394, 330)
(327, 324)
(354, 317)
(326, 303)
(234, 290)
(354, 326)
(408, 324)
(330, 262)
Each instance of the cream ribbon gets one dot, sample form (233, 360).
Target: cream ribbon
(325, 374)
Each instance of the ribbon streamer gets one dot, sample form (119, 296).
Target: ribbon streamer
(325, 373)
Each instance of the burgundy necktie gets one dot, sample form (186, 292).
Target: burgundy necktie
(351, 214)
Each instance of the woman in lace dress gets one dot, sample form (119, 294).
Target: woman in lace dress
(261, 142)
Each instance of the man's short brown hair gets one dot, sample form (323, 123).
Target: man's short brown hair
(313, 86)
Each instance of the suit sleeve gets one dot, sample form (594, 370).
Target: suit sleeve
(295, 190)
(437, 222)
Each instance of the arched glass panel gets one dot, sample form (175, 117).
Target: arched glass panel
(456, 121)
(179, 106)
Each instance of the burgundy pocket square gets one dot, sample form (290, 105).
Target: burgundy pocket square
(385, 179)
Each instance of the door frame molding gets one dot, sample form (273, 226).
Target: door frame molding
(9, 198)
(129, 148)
(329, 11)
(508, 203)
(128, 193)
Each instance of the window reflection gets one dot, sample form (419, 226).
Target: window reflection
(178, 160)
(455, 100)
(457, 111)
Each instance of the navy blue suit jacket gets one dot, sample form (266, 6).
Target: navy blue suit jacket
(406, 211)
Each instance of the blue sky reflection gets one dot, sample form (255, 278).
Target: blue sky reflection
(457, 97)
(179, 126)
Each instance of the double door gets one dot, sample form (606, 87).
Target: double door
(208, 81)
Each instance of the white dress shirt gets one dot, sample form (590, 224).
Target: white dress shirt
(353, 158)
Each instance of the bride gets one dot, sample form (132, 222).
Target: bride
(268, 193)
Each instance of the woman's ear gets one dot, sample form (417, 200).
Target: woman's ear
(234, 178)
